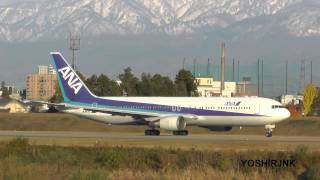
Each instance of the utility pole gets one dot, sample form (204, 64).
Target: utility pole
(238, 70)
(208, 68)
(311, 78)
(286, 89)
(194, 67)
(74, 45)
(302, 75)
(262, 78)
(222, 67)
(233, 73)
(183, 63)
(258, 77)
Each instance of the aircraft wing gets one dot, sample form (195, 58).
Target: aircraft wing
(148, 116)
(46, 103)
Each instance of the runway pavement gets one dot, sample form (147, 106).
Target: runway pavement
(141, 137)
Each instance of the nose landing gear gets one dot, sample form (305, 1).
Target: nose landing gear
(269, 128)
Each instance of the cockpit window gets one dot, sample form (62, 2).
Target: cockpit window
(277, 106)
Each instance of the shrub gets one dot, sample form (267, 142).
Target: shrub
(153, 160)
(300, 155)
(109, 158)
(89, 175)
(18, 147)
(314, 172)
(61, 156)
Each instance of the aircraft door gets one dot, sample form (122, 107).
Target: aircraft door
(257, 108)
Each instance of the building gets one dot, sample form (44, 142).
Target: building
(12, 106)
(42, 85)
(287, 100)
(207, 87)
(246, 88)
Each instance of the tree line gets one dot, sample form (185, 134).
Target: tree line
(147, 85)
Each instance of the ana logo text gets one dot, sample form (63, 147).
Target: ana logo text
(232, 103)
(73, 82)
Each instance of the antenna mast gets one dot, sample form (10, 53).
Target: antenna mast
(74, 45)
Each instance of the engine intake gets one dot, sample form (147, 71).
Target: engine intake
(173, 123)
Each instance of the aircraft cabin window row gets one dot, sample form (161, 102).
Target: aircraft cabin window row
(175, 107)
(277, 106)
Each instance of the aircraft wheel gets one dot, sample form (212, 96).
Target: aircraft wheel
(269, 133)
(152, 132)
(181, 133)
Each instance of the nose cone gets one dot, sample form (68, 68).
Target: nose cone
(285, 114)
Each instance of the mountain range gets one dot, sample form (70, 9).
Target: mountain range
(31, 21)
(154, 36)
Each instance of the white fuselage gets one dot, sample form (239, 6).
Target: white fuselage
(244, 111)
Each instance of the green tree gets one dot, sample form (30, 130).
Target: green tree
(92, 84)
(129, 83)
(316, 104)
(114, 89)
(185, 84)
(102, 85)
(145, 85)
(107, 87)
(309, 94)
(57, 97)
(162, 86)
(180, 89)
(155, 85)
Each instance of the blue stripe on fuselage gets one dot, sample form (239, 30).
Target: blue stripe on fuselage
(152, 108)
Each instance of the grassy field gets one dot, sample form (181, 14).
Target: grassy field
(308, 126)
(94, 158)
(21, 160)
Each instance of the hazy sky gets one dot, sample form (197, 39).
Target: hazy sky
(110, 54)
(4, 2)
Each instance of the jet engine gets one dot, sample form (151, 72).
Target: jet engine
(172, 123)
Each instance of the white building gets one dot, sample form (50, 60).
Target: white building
(291, 99)
(207, 87)
(43, 69)
(46, 69)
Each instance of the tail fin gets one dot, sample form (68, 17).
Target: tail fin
(72, 87)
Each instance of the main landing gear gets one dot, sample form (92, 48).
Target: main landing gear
(155, 132)
(181, 133)
(269, 129)
(152, 132)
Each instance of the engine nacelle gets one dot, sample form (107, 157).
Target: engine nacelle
(219, 128)
(173, 123)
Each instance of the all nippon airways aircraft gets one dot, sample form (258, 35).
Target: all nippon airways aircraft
(169, 113)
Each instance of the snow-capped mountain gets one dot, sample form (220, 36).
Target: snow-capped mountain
(30, 21)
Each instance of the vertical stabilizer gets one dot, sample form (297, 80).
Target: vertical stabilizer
(72, 87)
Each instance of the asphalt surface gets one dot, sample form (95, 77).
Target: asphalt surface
(141, 137)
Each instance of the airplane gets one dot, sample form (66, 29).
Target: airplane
(167, 113)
